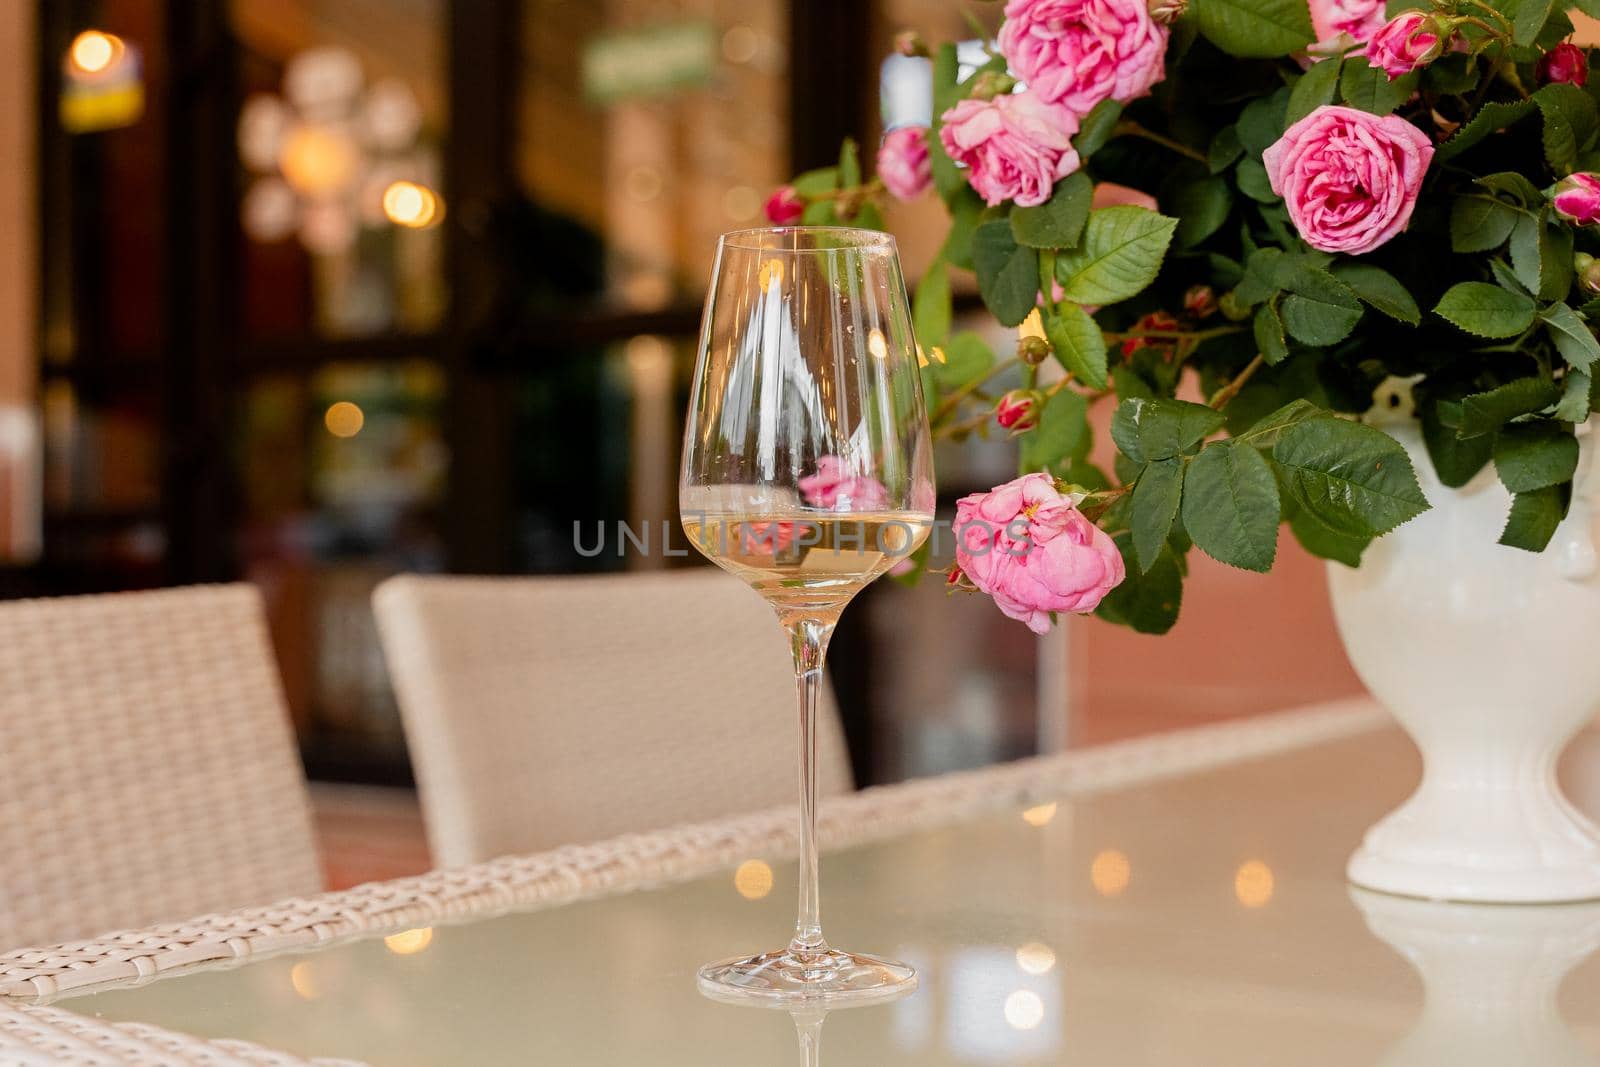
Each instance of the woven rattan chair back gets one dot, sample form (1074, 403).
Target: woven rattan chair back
(545, 711)
(147, 769)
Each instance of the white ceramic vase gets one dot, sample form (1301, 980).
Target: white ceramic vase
(1490, 659)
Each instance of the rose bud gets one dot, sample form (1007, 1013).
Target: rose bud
(1566, 62)
(1577, 198)
(1200, 301)
(1589, 278)
(910, 43)
(1408, 42)
(1156, 320)
(1018, 410)
(903, 162)
(1233, 309)
(1033, 350)
(1166, 12)
(784, 207)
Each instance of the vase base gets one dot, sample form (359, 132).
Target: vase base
(1539, 851)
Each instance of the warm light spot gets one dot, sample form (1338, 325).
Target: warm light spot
(410, 204)
(1036, 958)
(753, 879)
(304, 981)
(877, 345)
(1252, 884)
(922, 357)
(1110, 872)
(344, 419)
(318, 161)
(771, 275)
(1032, 326)
(407, 942)
(93, 51)
(1040, 814)
(936, 354)
(642, 183)
(740, 44)
(1024, 1009)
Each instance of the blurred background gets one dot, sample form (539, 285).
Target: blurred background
(311, 292)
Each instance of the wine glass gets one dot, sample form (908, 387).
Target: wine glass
(807, 471)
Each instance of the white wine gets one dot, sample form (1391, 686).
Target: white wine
(808, 563)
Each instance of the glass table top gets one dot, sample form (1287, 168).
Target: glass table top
(1199, 920)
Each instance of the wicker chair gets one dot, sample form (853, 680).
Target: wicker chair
(544, 711)
(147, 770)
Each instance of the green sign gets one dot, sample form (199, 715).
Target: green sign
(649, 61)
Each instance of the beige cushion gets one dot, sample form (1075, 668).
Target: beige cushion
(543, 711)
(147, 766)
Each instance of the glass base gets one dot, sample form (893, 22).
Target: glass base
(786, 979)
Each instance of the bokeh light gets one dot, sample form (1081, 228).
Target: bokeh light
(1036, 957)
(1110, 872)
(1040, 814)
(1253, 884)
(93, 52)
(408, 942)
(344, 419)
(1024, 1009)
(753, 879)
(410, 204)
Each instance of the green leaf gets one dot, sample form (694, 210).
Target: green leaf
(1254, 183)
(849, 164)
(1491, 117)
(1062, 432)
(1486, 412)
(1008, 273)
(1225, 148)
(1154, 506)
(1533, 455)
(1260, 281)
(967, 358)
(1480, 223)
(815, 183)
(1368, 88)
(1057, 222)
(931, 308)
(1486, 310)
(1572, 336)
(1511, 184)
(1527, 17)
(1078, 344)
(1320, 309)
(948, 178)
(1353, 478)
(1451, 75)
(1324, 542)
(1148, 602)
(820, 213)
(1254, 29)
(1230, 506)
(1456, 460)
(966, 212)
(1120, 253)
(1315, 88)
(1266, 432)
(1201, 208)
(1535, 516)
(1268, 330)
(1577, 397)
(1151, 430)
(1096, 128)
(1261, 122)
(1541, 257)
(1380, 289)
(1570, 123)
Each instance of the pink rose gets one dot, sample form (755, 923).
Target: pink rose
(1018, 410)
(1340, 24)
(1199, 301)
(836, 488)
(1015, 147)
(1577, 198)
(1027, 546)
(1410, 41)
(903, 162)
(1566, 62)
(784, 207)
(1080, 52)
(1349, 179)
(1110, 194)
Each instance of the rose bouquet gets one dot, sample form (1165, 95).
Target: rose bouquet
(1233, 222)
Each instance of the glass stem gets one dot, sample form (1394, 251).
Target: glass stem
(808, 641)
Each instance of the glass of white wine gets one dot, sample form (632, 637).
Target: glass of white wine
(807, 472)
